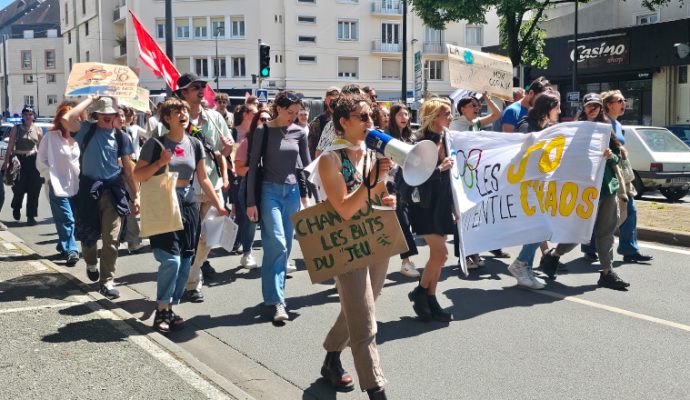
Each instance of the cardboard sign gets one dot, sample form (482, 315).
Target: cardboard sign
(139, 102)
(477, 71)
(332, 246)
(511, 189)
(102, 80)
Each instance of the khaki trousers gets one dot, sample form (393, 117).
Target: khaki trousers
(110, 231)
(195, 279)
(356, 323)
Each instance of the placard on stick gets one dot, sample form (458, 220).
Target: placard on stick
(101, 80)
(478, 71)
(332, 246)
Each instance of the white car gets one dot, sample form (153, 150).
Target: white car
(660, 161)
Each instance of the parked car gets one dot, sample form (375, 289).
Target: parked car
(682, 131)
(660, 161)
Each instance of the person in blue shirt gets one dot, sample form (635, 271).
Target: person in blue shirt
(516, 111)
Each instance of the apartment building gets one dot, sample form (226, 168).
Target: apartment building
(314, 43)
(31, 68)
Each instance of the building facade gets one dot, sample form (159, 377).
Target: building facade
(314, 43)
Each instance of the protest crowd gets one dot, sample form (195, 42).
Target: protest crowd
(258, 164)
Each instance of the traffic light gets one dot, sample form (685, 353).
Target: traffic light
(264, 60)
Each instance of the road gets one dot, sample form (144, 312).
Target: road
(570, 341)
(659, 198)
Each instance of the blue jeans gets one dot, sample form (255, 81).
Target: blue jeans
(2, 191)
(173, 272)
(527, 253)
(246, 228)
(63, 217)
(627, 241)
(278, 203)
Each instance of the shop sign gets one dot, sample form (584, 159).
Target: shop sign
(601, 53)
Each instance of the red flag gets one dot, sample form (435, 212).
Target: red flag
(152, 55)
(210, 96)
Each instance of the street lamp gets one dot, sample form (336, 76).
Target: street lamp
(217, 61)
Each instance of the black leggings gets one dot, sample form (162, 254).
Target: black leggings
(29, 183)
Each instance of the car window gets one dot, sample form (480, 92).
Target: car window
(662, 141)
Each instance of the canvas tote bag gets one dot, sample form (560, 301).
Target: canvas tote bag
(160, 209)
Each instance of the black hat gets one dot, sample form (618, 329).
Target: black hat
(184, 81)
(592, 98)
(28, 109)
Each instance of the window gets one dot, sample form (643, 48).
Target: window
(87, 56)
(83, 7)
(66, 13)
(433, 70)
(28, 78)
(219, 63)
(182, 28)
(647, 19)
(183, 65)
(160, 29)
(50, 59)
(69, 37)
(237, 24)
(200, 28)
(52, 99)
(29, 101)
(50, 78)
(307, 1)
(473, 35)
(348, 67)
(347, 30)
(26, 59)
(238, 67)
(86, 28)
(390, 69)
(390, 37)
(683, 74)
(432, 35)
(307, 39)
(201, 66)
(305, 19)
(69, 63)
(218, 27)
(307, 59)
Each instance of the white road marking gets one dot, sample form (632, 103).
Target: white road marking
(664, 248)
(34, 308)
(617, 310)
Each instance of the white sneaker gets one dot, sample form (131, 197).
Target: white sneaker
(537, 282)
(247, 261)
(520, 271)
(291, 267)
(469, 261)
(281, 314)
(409, 270)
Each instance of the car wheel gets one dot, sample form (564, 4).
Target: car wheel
(674, 194)
(639, 187)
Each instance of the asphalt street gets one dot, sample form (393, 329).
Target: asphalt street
(570, 341)
(659, 198)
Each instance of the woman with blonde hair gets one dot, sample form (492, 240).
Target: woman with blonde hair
(431, 210)
(58, 163)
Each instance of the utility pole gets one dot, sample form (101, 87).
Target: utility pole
(404, 53)
(575, 56)
(38, 111)
(168, 37)
(6, 95)
(217, 61)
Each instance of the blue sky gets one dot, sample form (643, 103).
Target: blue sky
(4, 3)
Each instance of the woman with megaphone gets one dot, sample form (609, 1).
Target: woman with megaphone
(343, 170)
(431, 210)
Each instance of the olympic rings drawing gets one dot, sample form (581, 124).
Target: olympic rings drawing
(470, 163)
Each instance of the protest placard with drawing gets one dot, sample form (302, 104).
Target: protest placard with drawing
(332, 246)
(478, 72)
(102, 80)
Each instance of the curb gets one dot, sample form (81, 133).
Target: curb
(204, 371)
(664, 236)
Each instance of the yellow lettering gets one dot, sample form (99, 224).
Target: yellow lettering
(568, 198)
(546, 164)
(516, 176)
(539, 191)
(529, 211)
(585, 210)
(551, 198)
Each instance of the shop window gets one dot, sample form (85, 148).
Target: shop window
(683, 74)
(647, 19)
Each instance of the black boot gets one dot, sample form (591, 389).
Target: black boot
(333, 371)
(421, 303)
(377, 394)
(437, 312)
(549, 263)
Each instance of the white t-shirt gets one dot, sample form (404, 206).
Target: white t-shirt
(58, 163)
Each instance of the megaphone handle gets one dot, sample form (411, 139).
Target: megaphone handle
(366, 175)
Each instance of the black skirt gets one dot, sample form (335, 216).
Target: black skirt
(433, 214)
(183, 242)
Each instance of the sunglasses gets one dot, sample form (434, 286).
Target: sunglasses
(294, 97)
(198, 86)
(621, 101)
(363, 116)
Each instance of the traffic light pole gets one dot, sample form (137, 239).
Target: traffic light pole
(259, 79)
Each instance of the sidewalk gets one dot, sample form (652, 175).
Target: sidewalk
(663, 223)
(52, 328)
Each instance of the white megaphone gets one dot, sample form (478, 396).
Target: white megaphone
(417, 161)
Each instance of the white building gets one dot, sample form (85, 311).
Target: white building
(314, 43)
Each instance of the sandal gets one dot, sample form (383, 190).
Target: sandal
(161, 321)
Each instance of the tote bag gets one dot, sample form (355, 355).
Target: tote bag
(160, 208)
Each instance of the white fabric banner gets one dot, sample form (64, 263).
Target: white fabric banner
(512, 189)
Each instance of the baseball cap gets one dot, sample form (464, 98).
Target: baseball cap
(592, 98)
(184, 81)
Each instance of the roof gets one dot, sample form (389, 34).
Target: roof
(15, 10)
(46, 12)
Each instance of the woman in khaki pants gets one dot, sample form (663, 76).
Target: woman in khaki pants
(341, 171)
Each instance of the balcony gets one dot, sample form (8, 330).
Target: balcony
(378, 47)
(436, 47)
(120, 14)
(387, 8)
(120, 51)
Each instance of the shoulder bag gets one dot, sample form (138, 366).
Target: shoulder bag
(160, 208)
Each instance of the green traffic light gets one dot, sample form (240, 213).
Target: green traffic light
(264, 72)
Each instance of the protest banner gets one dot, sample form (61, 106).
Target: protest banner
(332, 246)
(477, 71)
(102, 80)
(513, 189)
(139, 102)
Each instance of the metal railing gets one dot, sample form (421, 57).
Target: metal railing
(436, 47)
(387, 7)
(382, 47)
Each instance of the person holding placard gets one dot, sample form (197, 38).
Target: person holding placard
(431, 210)
(174, 251)
(342, 170)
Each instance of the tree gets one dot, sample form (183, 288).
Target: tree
(522, 38)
